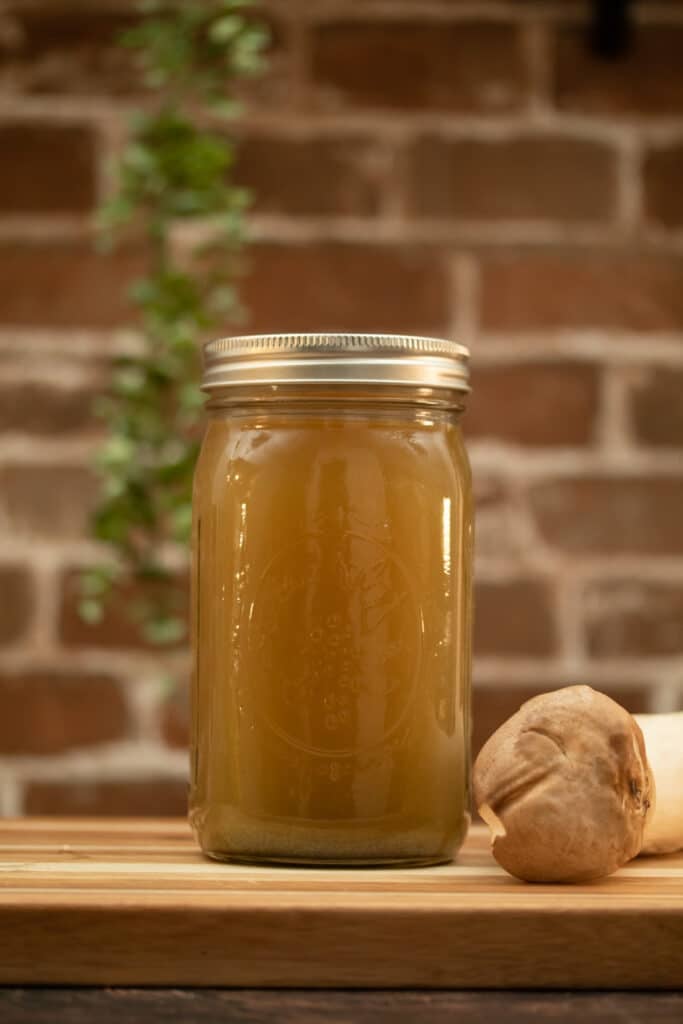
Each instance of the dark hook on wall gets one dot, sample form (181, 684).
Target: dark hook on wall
(611, 28)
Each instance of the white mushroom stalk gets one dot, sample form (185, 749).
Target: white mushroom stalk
(663, 736)
(572, 786)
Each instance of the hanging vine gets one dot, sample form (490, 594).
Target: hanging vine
(176, 166)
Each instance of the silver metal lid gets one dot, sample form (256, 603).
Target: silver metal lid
(390, 359)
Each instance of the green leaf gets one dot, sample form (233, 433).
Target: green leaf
(225, 29)
(117, 450)
(167, 687)
(181, 521)
(151, 6)
(97, 581)
(223, 300)
(190, 397)
(228, 109)
(91, 611)
(247, 58)
(164, 631)
(130, 381)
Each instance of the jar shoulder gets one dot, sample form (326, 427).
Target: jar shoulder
(299, 450)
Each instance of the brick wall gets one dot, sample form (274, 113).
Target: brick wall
(448, 167)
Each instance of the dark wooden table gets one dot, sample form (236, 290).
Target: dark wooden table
(248, 1006)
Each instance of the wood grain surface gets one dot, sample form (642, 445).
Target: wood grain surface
(135, 903)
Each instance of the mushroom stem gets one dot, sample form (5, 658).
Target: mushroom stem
(664, 745)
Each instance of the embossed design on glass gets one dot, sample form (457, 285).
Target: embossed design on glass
(346, 604)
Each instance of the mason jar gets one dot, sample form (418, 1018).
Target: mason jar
(332, 571)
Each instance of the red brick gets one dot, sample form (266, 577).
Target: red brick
(175, 722)
(118, 627)
(338, 286)
(530, 177)
(657, 408)
(50, 712)
(16, 603)
(633, 617)
(535, 404)
(414, 65)
(539, 289)
(47, 168)
(605, 515)
(147, 798)
(663, 183)
(493, 705)
(65, 284)
(42, 500)
(311, 176)
(514, 618)
(70, 48)
(36, 408)
(647, 78)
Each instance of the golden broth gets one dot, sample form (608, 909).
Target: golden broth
(332, 603)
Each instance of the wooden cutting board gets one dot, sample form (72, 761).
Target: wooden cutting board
(133, 902)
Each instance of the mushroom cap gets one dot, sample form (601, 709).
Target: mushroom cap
(565, 787)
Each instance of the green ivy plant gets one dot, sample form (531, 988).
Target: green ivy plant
(176, 166)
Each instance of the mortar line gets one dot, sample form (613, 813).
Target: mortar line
(629, 193)
(464, 290)
(11, 797)
(667, 696)
(443, 11)
(503, 671)
(464, 124)
(144, 699)
(43, 637)
(487, 233)
(537, 45)
(606, 347)
(118, 761)
(614, 435)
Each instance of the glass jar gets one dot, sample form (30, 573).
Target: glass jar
(332, 602)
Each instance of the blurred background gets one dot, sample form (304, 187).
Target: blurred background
(503, 173)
